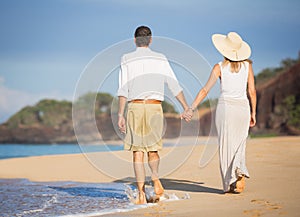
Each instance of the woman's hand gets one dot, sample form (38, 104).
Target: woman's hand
(187, 115)
(253, 120)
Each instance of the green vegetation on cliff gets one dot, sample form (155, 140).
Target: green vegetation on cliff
(291, 107)
(268, 73)
(46, 112)
(101, 102)
(53, 113)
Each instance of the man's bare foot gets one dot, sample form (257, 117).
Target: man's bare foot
(153, 199)
(158, 188)
(240, 184)
(141, 198)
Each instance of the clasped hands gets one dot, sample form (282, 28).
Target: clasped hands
(187, 114)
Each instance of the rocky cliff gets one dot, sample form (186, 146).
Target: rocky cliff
(278, 103)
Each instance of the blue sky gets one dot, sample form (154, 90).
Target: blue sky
(45, 44)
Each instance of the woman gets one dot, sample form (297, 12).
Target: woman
(233, 115)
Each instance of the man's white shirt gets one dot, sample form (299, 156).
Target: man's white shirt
(143, 75)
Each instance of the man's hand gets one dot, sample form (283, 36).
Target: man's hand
(122, 124)
(121, 120)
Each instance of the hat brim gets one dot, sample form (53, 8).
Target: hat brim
(243, 53)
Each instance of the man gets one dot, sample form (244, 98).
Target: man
(142, 78)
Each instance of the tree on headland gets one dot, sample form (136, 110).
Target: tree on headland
(269, 73)
(100, 102)
(47, 112)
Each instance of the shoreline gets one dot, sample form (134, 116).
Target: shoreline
(272, 190)
(112, 142)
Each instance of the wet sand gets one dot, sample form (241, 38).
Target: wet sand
(272, 190)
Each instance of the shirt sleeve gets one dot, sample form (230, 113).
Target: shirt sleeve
(171, 79)
(123, 79)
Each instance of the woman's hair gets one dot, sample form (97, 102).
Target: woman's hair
(235, 66)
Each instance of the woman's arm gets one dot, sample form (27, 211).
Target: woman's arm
(252, 95)
(215, 74)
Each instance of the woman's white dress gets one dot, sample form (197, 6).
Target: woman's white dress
(232, 122)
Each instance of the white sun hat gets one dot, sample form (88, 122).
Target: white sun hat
(232, 46)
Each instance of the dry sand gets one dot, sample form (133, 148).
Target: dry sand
(272, 190)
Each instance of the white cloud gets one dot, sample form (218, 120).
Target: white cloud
(11, 100)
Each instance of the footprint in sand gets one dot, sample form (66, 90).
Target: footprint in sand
(265, 206)
(268, 205)
(159, 210)
(253, 212)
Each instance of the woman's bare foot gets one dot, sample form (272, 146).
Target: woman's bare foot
(231, 189)
(141, 198)
(158, 188)
(240, 184)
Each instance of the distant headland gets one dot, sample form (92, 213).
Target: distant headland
(50, 121)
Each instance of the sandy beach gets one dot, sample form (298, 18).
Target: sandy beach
(272, 190)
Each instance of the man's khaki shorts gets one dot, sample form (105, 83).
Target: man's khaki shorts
(144, 127)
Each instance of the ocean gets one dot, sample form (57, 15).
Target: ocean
(27, 150)
(22, 198)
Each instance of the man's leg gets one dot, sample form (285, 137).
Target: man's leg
(139, 170)
(153, 161)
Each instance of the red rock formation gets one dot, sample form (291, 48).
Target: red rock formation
(270, 101)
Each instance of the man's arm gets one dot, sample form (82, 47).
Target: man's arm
(123, 94)
(188, 112)
(121, 119)
(180, 97)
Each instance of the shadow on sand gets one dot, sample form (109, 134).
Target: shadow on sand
(179, 185)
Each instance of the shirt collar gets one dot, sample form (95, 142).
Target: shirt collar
(142, 48)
